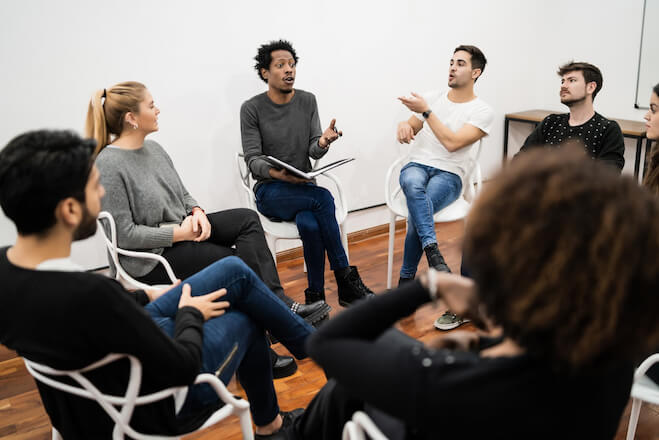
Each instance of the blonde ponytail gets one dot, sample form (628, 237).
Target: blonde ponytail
(108, 108)
(95, 126)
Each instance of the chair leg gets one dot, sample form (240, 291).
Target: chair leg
(55, 434)
(633, 418)
(246, 424)
(344, 241)
(272, 245)
(390, 254)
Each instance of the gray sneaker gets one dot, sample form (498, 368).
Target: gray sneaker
(449, 321)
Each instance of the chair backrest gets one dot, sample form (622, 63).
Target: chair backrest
(120, 408)
(361, 423)
(644, 388)
(107, 225)
(472, 183)
(247, 183)
(245, 180)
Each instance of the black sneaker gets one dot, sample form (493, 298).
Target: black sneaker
(435, 258)
(351, 287)
(312, 313)
(288, 418)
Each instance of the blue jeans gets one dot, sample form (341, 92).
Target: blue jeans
(236, 340)
(427, 190)
(312, 208)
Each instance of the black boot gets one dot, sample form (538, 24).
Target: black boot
(282, 366)
(311, 297)
(435, 258)
(351, 287)
(312, 313)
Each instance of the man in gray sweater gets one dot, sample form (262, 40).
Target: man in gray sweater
(283, 122)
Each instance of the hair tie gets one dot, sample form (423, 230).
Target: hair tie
(104, 94)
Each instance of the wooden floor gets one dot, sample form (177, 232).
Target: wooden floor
(22, 415)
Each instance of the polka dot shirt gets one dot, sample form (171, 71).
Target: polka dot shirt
(600, 137)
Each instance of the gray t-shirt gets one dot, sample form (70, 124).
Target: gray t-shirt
(142, 192)
(289, 132)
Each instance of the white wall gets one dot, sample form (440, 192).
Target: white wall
(357, 57)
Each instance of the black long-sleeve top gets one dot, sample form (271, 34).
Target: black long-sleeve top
(602, 138)
(68, 320)
(457, 394)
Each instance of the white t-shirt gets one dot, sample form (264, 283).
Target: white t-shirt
(427, 150)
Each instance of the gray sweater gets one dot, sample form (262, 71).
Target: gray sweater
(289, 132)
(143, 191)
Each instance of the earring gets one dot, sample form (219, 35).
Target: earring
(135, 127)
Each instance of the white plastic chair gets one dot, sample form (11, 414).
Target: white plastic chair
(395, 199)
(643, 390)
(114, 251)
(275, 231)
(361, 423)
(120, 408)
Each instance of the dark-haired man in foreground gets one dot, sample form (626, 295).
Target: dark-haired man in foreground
(284, 123)
(53, 313)
(601, 137)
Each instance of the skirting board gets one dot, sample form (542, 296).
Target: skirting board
(353, 237)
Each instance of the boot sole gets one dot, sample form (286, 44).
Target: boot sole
(314, 318)
(318, 315)
(284, 372)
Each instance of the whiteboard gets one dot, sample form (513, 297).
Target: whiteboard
(648, 64)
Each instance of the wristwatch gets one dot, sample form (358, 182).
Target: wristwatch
(426, 114)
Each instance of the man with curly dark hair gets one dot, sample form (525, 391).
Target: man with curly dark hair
(601, 137)
(284, 123)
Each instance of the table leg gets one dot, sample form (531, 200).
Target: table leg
(506, 124)
(637, 161)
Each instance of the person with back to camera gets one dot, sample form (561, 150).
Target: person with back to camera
(574, 312)
(153, 210)
(55, 313)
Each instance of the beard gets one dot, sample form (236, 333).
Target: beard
(87, 226)
(573, 101)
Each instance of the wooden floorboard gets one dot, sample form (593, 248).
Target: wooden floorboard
(22, 415)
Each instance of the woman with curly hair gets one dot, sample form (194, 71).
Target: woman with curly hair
(564, 263)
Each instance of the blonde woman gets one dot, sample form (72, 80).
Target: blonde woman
(154, 211)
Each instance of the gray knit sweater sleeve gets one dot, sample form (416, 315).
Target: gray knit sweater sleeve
(143, 191)
(289, 132)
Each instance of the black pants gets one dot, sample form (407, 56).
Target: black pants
(334, 405)
(234, 227)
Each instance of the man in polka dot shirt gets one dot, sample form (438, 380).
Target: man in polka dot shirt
(601, 137)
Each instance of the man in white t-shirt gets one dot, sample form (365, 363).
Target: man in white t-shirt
(446, 125)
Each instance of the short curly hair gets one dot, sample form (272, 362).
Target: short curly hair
(263, 56)
(564, 253)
